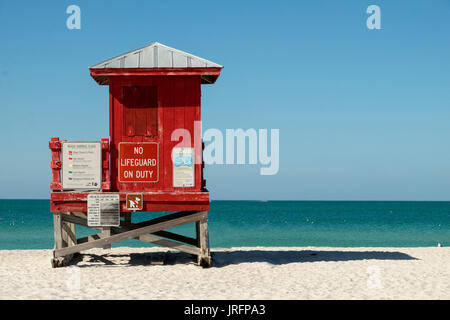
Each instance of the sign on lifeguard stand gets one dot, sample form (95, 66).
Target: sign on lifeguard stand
(153, 91)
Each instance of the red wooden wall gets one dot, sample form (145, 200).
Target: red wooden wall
(177, 106)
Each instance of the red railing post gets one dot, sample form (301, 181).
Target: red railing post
(106, 185)
(55, 164)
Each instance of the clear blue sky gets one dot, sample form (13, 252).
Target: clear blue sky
(363, 114)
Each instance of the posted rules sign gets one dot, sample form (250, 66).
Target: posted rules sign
(81, 165)
(103, 210)
(138, 162)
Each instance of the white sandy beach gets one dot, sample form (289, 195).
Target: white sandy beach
(237, 273)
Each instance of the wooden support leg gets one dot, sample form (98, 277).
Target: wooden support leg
(58, 236)
(204, 259)
(197, 232)
(107, 232)
(64, 234)
(72, 236)
(57, 227)
(74, 239)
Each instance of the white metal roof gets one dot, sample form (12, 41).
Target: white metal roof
(156, 55)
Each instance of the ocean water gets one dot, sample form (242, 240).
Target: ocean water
(28, 224)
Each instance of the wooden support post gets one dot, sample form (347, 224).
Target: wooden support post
(74, 234)
(107, 232)
(197, 232)
(64, 233)
(63, 238)
(57, 228)
(204, 258)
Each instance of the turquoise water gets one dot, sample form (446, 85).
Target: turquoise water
(27, 224)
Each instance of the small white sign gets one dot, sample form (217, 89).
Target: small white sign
(103, 210)
(183, 167)
(81, 165)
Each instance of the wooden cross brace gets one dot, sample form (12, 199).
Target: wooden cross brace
(150, 231)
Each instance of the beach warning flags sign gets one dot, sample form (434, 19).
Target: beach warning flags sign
(135, 201)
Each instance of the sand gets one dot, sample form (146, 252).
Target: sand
(237, 273)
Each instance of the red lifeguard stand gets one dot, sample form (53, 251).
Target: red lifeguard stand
(153, 162)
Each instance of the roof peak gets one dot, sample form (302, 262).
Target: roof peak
(156, 55)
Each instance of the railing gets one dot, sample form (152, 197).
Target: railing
(55, 146)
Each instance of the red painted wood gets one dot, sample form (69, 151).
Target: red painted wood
(193, 115)
(145, 105)
(55, 147)
(153, 201)
(95, 72)
(106, 185)
(168, 109)
(177, 107)
(68, 207)
(148, 196)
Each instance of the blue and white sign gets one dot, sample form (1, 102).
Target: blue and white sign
(183, 167)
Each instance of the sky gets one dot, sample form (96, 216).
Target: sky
(362, 114)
